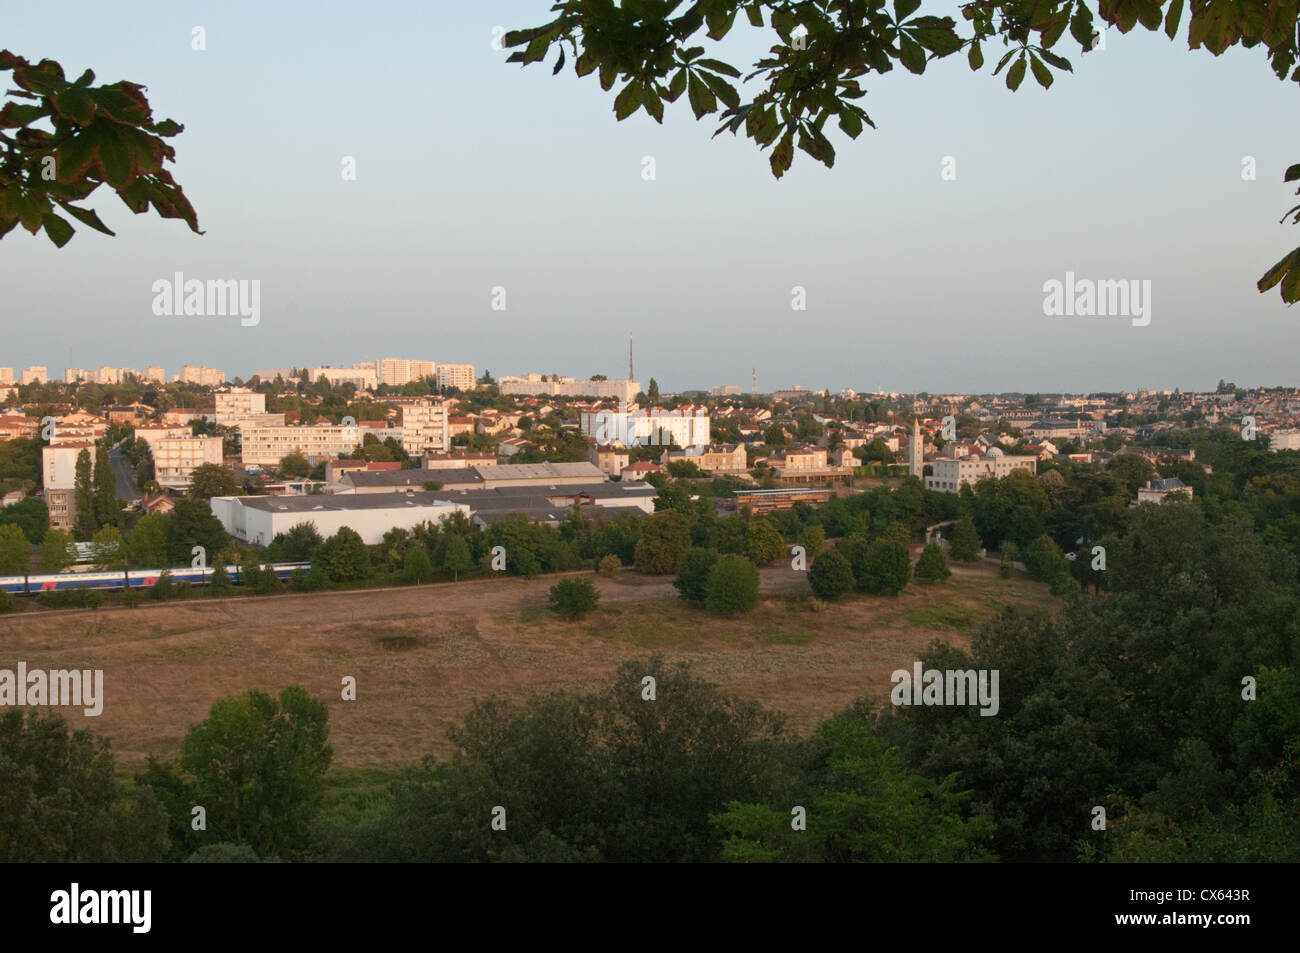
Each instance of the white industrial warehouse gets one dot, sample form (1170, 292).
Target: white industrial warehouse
(258, 519)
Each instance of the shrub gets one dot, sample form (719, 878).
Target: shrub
(763, 543)
(7, 602)
(609, 566)
(692, 580)
(1045, 561)
(932, 566)
(663, 543)
(733, 586)
(1006, 561)
(573, 598)
(831, 575)
(163, 589)
(416, 566)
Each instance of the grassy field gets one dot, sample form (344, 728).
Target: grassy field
(421, 655)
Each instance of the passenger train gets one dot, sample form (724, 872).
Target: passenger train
(129, 579)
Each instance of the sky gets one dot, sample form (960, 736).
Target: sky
(472, 174)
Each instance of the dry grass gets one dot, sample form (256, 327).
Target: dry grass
(421, 655)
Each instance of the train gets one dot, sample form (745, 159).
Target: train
(130, 578)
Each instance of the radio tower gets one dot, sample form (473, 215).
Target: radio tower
(754, 380)
(631, 375)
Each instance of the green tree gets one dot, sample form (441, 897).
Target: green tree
(664, 540)
(965, 541)
(57, 552)
(212, 479)
(868, 808)
(573, 598)
(764, 545)
(652, 393)
(831, 576)
(192, 524)
(732, 587)
(95, 135)
(258, 766)
(148, 542)
(456, 558)
(885, 568)
(345, 556)
(609, 566)
(15, 551)
(294, 465)
(109, 548)
(692, 580)
(298, 545)
(84, 499)
(1045, 561)
(219, 583)
(415, 564)
(29, 515)
(932, 566)
(108, 508)
(813, 539)
(60, 801)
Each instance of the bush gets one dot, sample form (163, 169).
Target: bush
(609, 566)
(932, 566)
(831, 575)
(7, 601)
(1006, 561)
(692, 580)
(733, 586)
(573, 598)
(219, 582)
(163, 589)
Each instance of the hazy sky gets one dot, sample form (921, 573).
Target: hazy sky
(472, 174)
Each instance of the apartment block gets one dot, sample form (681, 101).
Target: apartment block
(36, 375)
(267, 446)
(6, 375)
(72, 375)
(362, 378)
(234, 405)
(154, 374)
(714, 458)
(59, 479)
(399, 371)
(533, 385)
(107, 375)
(685, 427)
(175, 458)
(425, 427)
(460, 376)
(203, 376)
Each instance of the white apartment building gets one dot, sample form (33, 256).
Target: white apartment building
(532, 385)
(399, 371)
(233, 405)
(1284, 440)
(203, 376)
(363, 378)
(460, 376)
(59, 478)
(268, 445)
(6, 375)
(73, 374)
(687, 426)
(424, 427)
(106, 375)
(949, 475)
(175, 458)
(152, 433)
(36, 375)
(154, 374)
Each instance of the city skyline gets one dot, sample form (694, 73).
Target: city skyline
(939, 279)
